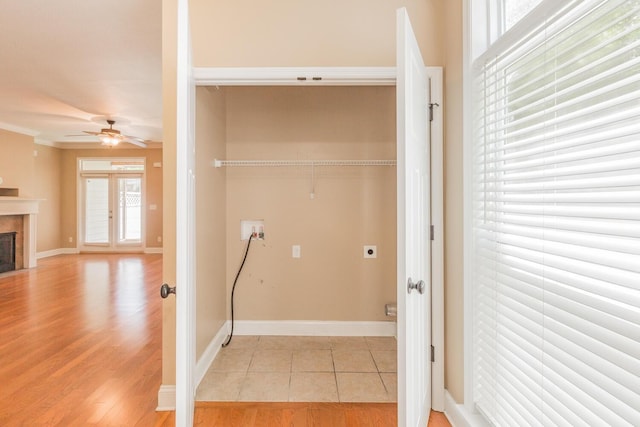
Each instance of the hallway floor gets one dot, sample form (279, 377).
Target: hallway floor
(81, 341)
(303, 369)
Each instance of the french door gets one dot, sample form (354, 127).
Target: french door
(111, 212)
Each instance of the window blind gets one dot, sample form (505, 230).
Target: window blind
(556, 220)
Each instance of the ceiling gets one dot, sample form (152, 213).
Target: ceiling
(68, 65)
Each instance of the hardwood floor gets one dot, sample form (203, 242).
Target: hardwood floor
(81, 341)
(243, 414)
(80, 345)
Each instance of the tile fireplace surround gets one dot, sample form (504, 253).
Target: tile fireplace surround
(28, 209)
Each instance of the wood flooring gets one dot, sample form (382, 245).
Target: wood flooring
(80, 341)
(242, 414)
(80, 345)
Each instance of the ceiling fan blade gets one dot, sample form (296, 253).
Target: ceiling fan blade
(135, 141)
(86, 133)
(135, 138)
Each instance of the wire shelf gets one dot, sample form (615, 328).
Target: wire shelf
(278, 163)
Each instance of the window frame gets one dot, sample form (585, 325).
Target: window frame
(477, 46)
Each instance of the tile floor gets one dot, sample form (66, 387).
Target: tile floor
(303, 369)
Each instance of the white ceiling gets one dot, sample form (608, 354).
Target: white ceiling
(66, 65)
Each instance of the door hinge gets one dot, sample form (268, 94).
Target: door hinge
(433, 232)
(431, 105)
(433, 354)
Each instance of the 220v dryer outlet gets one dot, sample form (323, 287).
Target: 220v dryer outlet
(370, 251)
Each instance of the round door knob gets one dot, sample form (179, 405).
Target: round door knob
(420, 286)
(165, 290)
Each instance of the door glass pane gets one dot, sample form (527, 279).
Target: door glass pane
(129, 210)
(96, 210)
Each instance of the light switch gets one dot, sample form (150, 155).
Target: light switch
(295, 251)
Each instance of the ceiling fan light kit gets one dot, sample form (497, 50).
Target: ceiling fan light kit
(111, 136)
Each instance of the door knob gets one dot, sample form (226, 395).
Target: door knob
(419, 286)
(165, 290)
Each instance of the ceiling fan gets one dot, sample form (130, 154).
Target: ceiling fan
(111, 137)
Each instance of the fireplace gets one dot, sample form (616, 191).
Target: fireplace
(7, 251)
(19, 215)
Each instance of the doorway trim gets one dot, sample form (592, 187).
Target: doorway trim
(295, 76)
(369, 76)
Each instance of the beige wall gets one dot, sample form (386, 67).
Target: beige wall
(169, 46)
(309, 33)
(211, 283)
(48, 187)
(35, 171)
(17, 162)
(69, 191)
(454, 307)
(352, 206)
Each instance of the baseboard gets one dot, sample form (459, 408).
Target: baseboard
(314, 328)
(73, 251)
(59, 251)
(210, 353)
(459, 415)
(166, 398)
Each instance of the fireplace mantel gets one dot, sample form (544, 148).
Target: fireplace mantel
(18, 206)
(29, 209)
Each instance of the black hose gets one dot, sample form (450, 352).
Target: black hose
(233, 290)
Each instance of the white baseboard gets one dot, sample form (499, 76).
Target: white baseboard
(166, 398)
(459, 415)
(59, 251)
(314, 328)
(210, 353)
(74, 251)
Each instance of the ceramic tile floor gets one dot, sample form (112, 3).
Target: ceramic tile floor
(303, 369)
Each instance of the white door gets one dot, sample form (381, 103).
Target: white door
(185, 224)
(414, 323)
(111, 212)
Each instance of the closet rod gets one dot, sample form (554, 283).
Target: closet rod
(262, 163)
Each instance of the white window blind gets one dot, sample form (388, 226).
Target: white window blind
(556, 219)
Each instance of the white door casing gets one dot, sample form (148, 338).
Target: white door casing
(413, 168)
(411, 405)
(354, 76)
(185, 224)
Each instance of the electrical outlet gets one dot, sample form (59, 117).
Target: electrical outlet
(295, 251)
(159, 239)
(370, 251)
(70, 239)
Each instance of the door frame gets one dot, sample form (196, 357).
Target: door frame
(112, 176)
(367, 76)
(185, 223)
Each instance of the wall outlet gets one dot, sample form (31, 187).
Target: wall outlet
(159, 239)
(70, 239)
(370, 251)
(295, 251)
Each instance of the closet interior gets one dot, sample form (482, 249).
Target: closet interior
(309, 172)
